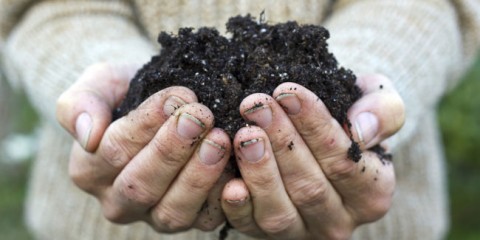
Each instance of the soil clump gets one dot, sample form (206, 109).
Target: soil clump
(255, 59)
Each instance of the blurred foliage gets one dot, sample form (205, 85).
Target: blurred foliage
(461, 110)
(13, 176)
(459, 117)
(13, 180)
(25, 117)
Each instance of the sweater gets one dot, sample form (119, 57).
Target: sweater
(422, 46)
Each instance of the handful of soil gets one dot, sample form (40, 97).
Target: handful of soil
(256, 59)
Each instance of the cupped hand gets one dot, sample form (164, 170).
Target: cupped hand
(162, 163)
(297, 180)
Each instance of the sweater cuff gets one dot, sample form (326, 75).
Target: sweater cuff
(55, 42)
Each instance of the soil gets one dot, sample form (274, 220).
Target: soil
(256, 58)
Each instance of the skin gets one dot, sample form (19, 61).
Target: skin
(303, 185)
(164, 162)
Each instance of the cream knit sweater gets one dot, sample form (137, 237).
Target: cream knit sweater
(423, 46)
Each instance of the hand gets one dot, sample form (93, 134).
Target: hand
(162, 163)
(298, 182)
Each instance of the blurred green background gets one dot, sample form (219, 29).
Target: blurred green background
(459, 117)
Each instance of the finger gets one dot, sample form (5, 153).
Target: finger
(308, 188)
(273, 212)
(146, 178)
(368, 192)
(187, 195)
(329, 143)
(124, 139)
(128, 135)
(211, 214)
(84, 110)
(324, 136)
(237, 205)
(378, 114)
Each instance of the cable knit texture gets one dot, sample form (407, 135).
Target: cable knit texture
(423, 46)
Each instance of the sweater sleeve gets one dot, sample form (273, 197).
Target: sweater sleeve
(54, 41)
(417, 44)
(468, 14)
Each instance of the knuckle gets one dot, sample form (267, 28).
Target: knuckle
(330, 140)
(116, 214)
(169, 220)
(244, 224)
(150, 105)
(337, 233)
(169, 154)
(112, 150)
(63, 110)
(196, 183)
(149, 120)
(283, 141)
(278, 224)
(323, 134)
(80, 178)
(391, 111)
(399, 114)
(242, 220)
(81, 181)
(337, 169)
(372, 204)
(309, 192)
(80, 173)
(136, 193)
(102, 70)
(376, 209)
(63, 102)
(239, 219)
(95, 70)
(263, 182)
(314, 128)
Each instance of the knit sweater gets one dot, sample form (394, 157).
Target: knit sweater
(423, 46)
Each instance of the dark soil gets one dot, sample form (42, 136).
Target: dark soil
(256, 59)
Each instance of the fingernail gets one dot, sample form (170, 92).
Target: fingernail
(366, 125)
(171, 104)
(237, 203)
(83, 127)
(210, 152)
(253, 150)
(189, 126)
(260, 115)
(290, 103)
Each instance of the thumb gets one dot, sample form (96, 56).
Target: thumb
(85, 109)
(378, 114)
